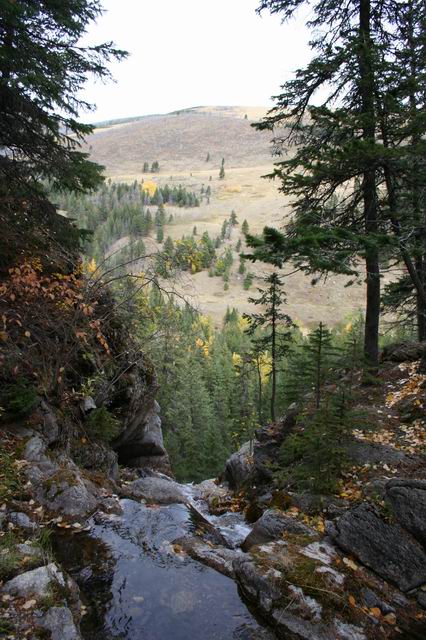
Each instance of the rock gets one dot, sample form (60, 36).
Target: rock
(36, 582)
(371, 600)
(215, 557)
(22, 521)
(271, 526)
(268, 444)
(403, 351)
(26, 549)
(421, 599)
(156, 490)
(87, 405)
(258, 586)
(239, 467)
(361, 452)
(408, 501)
(65, 492)
(35, 449)
(386, 548)
(346, 631)
(60, 623)
(320, 550)
(246, 632)
(141, 439)
(50, 428)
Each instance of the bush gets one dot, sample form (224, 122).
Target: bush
(101, 425)
(18, 398)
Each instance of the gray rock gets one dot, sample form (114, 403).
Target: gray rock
(29, 550)
(215, 557)
(247, 632)
(386, 548)
(403, 351)
(271, 526)
(87, 405)
(361, 452)
(258, 587)
(66, 493)
(50, 426)
(35, 582)
(408, 501)
(239, 467)
(22, 521)
(35, 449)
(141, 437)
(372, 600)
(156, 490)
(421, 599)
(60, 623)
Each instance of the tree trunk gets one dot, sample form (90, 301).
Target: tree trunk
(369, 190)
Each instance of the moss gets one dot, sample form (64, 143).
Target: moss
(6, 626)
(281, 500)
(56, 596)
(65, 476)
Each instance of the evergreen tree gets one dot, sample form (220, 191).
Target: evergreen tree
(160, 234)
(222, 170)
(208, 157)
(233, 218)
(145, 167)
(245, 227)
(342, 147)
(45, 65)
(273, 325)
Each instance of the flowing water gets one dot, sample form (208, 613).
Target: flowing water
(137, 587)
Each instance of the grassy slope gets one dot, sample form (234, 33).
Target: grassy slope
(180, 143)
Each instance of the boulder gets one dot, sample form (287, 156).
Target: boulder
(271, 526)
(408, 501)
(22, 521)
(268, 444)
(361, 452)
(239, 467)
(386, 548)
(141, 439)
(403, 351)
(36, 582)
(65, 492)
(156, 490)
(60, 623)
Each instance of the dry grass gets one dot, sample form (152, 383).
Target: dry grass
(180, 143)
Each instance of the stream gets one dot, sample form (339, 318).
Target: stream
(136, 587)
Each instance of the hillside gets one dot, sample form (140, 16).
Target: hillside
(180, 142)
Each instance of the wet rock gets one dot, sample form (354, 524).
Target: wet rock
(60, 623)
(386, 548)
(156, 490)
(209, 490)
(271, 526)
(239, 467)
(408, 501)
(22, 521)
(217, 558)
(247, 632)
(35, 582)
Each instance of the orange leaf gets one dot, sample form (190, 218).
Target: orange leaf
(352, 601)
(375, 611)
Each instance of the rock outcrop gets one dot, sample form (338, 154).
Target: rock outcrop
(271, 526)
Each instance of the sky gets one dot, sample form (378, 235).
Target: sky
(186, 53)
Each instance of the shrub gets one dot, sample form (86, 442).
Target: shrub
(101, 425)
(18, 398)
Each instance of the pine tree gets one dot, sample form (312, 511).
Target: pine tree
(271, 328)
(145, 167)
(233, 221)
(45, 65)
(160, 234)
(340, 148)
(222, 170)
(245, 227)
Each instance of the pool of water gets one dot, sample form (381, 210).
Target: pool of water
(138, 588)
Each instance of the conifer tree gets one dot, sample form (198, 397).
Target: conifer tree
(222, 170)
(271, 328)
(245, 227)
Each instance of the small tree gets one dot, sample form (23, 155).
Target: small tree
(271, 329)
(145, 167)
(245, 227)
(248, 281)
(233, 219)
(222, 170)
(208, 157)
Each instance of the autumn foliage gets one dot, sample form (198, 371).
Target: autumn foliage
(50, 325)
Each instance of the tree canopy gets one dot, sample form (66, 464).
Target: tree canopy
(43, 67)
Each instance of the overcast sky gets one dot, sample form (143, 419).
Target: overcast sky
(186, 53)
